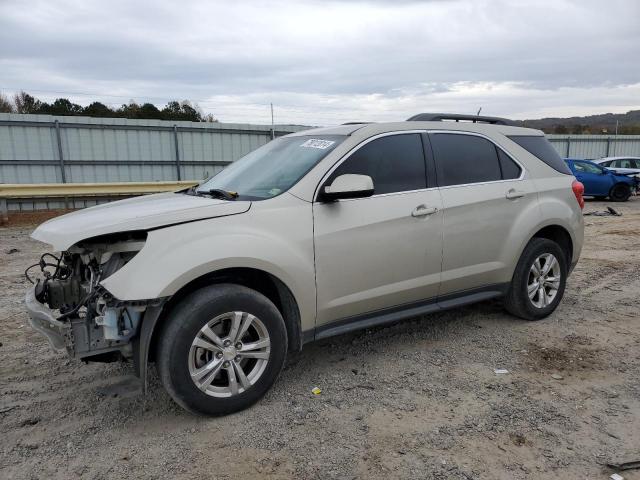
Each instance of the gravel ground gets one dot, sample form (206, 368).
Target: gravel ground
(419, 399)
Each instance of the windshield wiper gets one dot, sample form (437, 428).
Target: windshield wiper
(218, 193)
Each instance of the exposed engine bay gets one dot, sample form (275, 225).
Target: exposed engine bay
(87, 320)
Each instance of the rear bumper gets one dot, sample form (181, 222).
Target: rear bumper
(42, 319)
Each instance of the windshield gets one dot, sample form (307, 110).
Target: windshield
(273, 168)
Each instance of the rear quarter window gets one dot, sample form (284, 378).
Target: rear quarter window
(540, 147)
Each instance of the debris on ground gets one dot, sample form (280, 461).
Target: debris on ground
(557, 376)
(625, 466)
(615, 476)
(608, 212)
(11, 251)
(316, 391)
(500, 371)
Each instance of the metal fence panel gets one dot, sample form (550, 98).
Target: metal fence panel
(120, 150)
(595, 146)
(45, 148)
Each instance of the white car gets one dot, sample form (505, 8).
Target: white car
(621, 165)
(314, 234)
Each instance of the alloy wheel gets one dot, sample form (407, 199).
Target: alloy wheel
(544, 280)
(229, 354)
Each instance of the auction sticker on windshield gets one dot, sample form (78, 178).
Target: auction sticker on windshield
(317, 143)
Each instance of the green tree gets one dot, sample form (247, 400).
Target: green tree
(129, 110)
(149, 110)
(25, 103)
(61, 106)
(5, 105)
(97, 109)
(175, 110)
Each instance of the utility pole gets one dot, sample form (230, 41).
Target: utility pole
(273, 131)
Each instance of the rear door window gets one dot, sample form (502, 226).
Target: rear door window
(462, 159)
(395, 163)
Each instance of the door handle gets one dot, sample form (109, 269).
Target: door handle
(422, 210)
(512, 194)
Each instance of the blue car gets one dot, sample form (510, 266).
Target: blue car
(601, 183)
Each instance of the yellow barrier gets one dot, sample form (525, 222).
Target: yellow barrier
(71, 190)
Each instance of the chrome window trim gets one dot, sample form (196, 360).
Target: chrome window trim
(475, 134)
(346, 156)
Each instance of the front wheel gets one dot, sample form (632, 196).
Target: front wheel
(620, 192)
(221, 349)
(539, 280)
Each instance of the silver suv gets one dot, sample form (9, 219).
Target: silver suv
(314, 234)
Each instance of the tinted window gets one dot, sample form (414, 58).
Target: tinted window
(395, 163)
(510, 169)
(464, 159)
(541, 148)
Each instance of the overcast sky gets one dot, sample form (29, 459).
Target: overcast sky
(327, 62)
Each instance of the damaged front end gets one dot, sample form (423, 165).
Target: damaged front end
(69, 306)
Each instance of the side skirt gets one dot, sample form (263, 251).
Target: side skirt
(403, 312)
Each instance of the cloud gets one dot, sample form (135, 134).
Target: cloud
(324, 60)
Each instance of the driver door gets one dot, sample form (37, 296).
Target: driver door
(384, 250)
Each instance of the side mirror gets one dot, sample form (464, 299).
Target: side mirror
(348, 186)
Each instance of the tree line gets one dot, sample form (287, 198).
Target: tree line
(174, 110)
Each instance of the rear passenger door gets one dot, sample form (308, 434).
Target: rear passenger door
(484, 192)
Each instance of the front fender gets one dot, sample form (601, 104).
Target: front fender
(278, 241)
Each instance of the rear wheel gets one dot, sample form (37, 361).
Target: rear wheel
(620, 192)
(539, 280)
(221, 349)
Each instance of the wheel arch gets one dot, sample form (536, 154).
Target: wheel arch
(259, 280)
(559, 235)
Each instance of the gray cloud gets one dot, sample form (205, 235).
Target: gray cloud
(325, 61)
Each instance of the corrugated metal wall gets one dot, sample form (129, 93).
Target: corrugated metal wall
(34, 147)
(39, 148)
(596, 146)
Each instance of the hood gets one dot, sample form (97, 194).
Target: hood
(138, 213)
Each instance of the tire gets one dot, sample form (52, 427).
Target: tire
(620, 192)
(207, 317)
(517, 300)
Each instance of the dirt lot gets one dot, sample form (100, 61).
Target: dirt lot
(418, 399)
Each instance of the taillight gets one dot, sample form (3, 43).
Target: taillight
(578, 191)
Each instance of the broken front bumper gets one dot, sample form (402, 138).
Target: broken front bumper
(42, 320)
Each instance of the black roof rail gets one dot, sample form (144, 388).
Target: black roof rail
(356, 123)
(439, 117)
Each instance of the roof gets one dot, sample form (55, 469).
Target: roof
(367, 129)
(616, 158)
(338, 130)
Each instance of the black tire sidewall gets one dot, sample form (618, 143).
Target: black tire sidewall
(535, 248)
(621, 197)
(183, 323)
